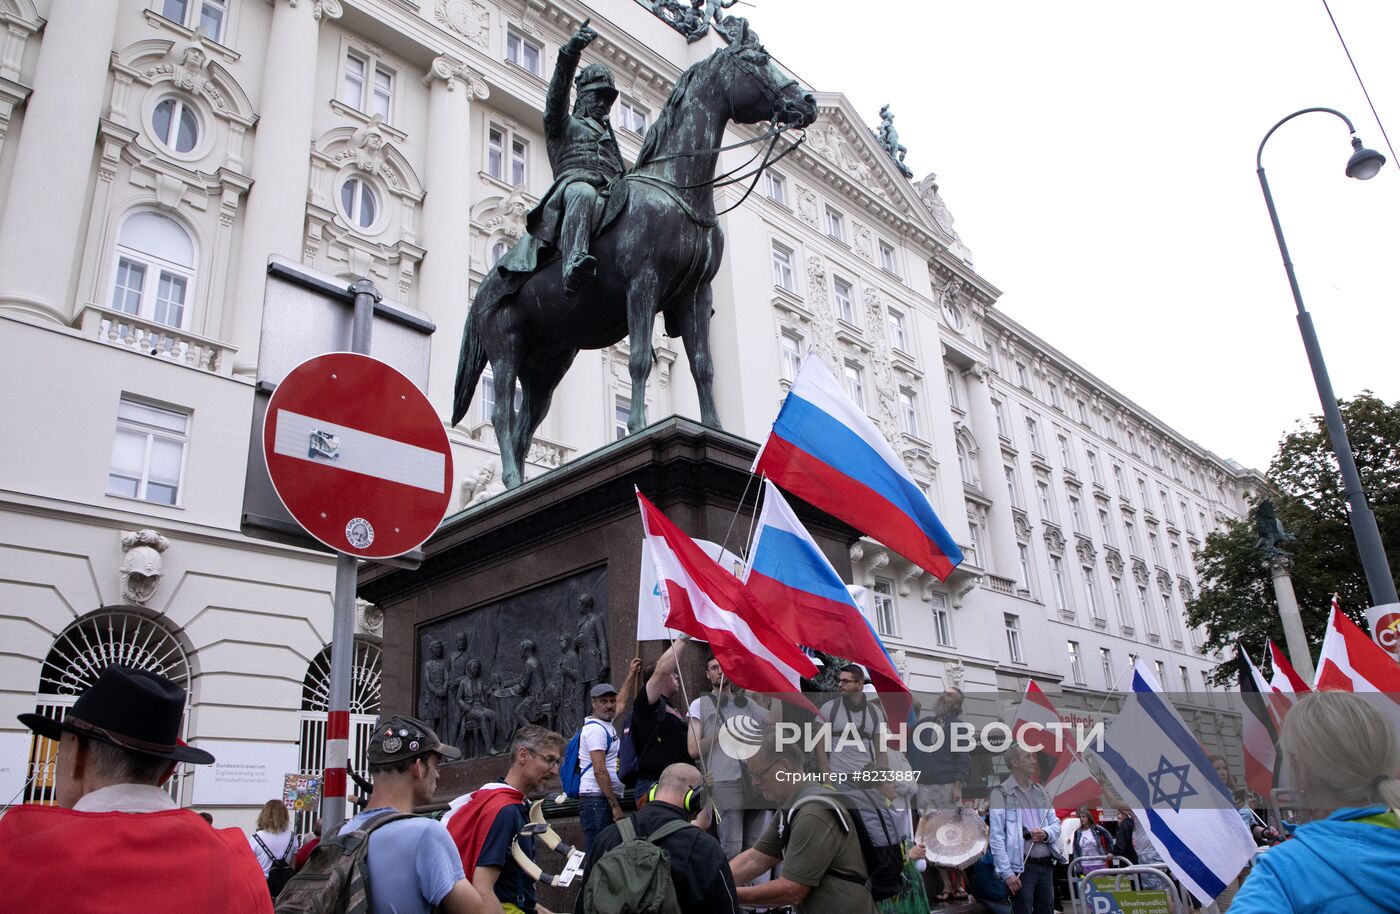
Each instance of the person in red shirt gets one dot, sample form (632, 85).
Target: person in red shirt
(117, 841)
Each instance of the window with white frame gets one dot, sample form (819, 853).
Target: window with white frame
(1076, 662)
(887, 258)
(1023, 377)
(1206, 687)
(782, 268)
(965, 464)
(1120, 603)
(1149, 618)
(942, 621)
(367, 85)
(1092, 457)
(950, 376)
(1013, 490)
(1023, 556)
(974, 533)
(1083, 410)
(1057, 573)
(1118, 480)
(496, 153)
(1076, 514)
(210, 15)
(148, 452)
(1134, 547)
(175, 124)
(1169, 611)
(999, 412)
(1161, 670)
(525, 53)
(844, 295)
(498, 250)
(1066, 455)
(1042, 494)
(622, 411)
(885, 621)
(1166, 505)
(908, 413)
(1013, 637)
(631, 116)
(1156, 456)
(1033, 436)
(486, 388)
(855, 383)
(507, 156)
(1091, 593)
(1155, 542)
(1106, 665)
(776, 186)
(1142, 493)
(1105, 528)
(154, 272)
(1186, 515)
(1055, 400)
(836, 224)
(1177, 562)
(790, 347)
(899, 339)
(358, 202)
(519, 161)
(1185, 679)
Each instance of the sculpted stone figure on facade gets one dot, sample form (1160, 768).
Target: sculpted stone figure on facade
(476, 720)
(563, 688)
(889, 138)
(432, 693)
(595, 666)
(456, 670)
(141, 567)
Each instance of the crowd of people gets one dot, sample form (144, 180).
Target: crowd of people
(711, 832)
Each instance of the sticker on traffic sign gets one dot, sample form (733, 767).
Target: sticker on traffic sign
(358, 455)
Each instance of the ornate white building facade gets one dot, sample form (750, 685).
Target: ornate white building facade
(155, 153)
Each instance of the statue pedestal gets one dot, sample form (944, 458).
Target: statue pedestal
(1281, 570)
(514, 567)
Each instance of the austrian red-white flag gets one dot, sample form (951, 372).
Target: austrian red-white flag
(1070, 782)
(706, 601)
(1285, 687)
(1351, 662)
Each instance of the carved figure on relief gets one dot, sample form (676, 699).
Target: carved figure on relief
(470, 20)
(886, 389)
(823, 341)
(141, 567)
(807, 205)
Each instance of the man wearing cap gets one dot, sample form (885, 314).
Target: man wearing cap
(584, 157)
(413, 864)
(599, 788)
(116, 841)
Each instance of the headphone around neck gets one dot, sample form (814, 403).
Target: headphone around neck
(695, 798)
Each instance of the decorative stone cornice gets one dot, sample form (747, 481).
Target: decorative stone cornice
(452, 73)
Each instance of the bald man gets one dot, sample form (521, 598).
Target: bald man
(699, 871)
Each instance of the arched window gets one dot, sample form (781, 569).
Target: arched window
(155, 268)
(358, 202)
(498, 250)
(315, 702)
(175, 124)
(79, 654)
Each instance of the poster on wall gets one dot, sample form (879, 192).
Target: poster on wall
(14, 763)
(243, 774)
(301, 792)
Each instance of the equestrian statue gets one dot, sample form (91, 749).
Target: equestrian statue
(606, 251)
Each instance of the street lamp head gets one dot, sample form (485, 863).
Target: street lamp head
(1364, 163)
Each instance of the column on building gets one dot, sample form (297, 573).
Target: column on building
(1000, 529)
(444, 285)
(44, 216)
(274, 220)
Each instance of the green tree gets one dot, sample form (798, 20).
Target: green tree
(1236, 599)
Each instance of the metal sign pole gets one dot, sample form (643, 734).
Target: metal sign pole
(343, 619)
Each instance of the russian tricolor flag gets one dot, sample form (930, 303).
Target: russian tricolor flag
(825, 450)
(807, 600)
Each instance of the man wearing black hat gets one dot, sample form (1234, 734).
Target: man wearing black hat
(116, 839)
(413, 862)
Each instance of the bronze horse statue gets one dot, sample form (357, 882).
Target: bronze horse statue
(658, 246)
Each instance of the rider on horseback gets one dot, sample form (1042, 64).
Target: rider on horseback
(584, 156)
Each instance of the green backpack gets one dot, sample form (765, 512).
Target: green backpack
(635, 876)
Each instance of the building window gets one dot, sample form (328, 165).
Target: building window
(1106, 664)
(782, 268)
(1118, 481)
(1023, 555)
(1155, 542)
(498, 250)
(358, 202)
(1093, 459)
(1155, 455)
(1120, 604)
(1055, 400)
(1166, 505)
(965, 464)
(887, 258)
(1091, 594)
(1142, 493)
(1012, 490)
(855, 384)
(1076, 663)
(487, 388)
(836, 225)
(523, 52)
(790, 345)
(1130, 528)
(1000, 413)
(950, 376)
(942, 621)
(1185, 679)
(175, 125)
(1042, 493)
(777, 187)
(632, 116)
(1149, 619)
(622, 411)
(519, 161)
(148, 453)
(1076, 514)
(496, 153)
(1066, 456)
(155, 269)
(209, 15)
(908, 413)
(367, 85)
(1161, 670)
(845, 300)
(898, 338)
(1186, 515)
(1083, 409)
(1013, 637)
(1033, 436)
(974, 533)
(885, 622)
(1057, 571)
(1205, 687)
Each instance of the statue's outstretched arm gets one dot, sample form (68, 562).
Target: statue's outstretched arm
(556, 101)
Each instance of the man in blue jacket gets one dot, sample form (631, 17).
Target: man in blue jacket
(1025, 837)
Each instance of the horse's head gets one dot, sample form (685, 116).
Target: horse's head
(758, 90)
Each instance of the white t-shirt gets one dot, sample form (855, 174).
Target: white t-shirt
(597, 734)
(277, 842)
(703, 709)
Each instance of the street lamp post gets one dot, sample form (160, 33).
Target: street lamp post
(1363, 165)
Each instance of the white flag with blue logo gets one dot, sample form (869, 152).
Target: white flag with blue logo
(1156, 765)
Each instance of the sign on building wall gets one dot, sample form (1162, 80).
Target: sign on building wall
(14, 763)
(243, 773)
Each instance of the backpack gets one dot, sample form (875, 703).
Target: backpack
(884, 863)
(629, 762)
(281, 869)
(335, 879)
(570, 775)
(635, 876)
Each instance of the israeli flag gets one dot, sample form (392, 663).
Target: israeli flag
(1156, 765)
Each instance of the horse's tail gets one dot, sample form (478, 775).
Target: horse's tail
(472, 360)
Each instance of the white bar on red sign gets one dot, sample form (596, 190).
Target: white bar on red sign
(360, 452)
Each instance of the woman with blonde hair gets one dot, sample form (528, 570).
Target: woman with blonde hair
(1343, 756)
(273, 845)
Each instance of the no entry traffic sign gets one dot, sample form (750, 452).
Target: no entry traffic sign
(358, 455)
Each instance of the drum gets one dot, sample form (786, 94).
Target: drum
(954, 838)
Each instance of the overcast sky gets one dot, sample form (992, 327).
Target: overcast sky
(1099, 160)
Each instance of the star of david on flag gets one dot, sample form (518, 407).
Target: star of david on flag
(1153, 761)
